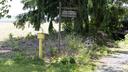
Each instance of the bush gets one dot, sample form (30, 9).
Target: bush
(75, 56)
(74, 43)
(30, 36)
(126, 39)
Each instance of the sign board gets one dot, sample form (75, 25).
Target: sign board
(69, 14)
(40, 36)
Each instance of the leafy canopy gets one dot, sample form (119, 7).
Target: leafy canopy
(4, 8)
(92, 15)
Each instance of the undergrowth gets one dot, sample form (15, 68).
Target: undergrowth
(74, 55)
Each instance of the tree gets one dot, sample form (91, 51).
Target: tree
(4, 8)
(92, 15)
(37, 11)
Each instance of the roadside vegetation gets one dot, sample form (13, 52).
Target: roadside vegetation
(77, 54)
(84, 39)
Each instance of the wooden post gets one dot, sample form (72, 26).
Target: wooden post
(59, 34)
(41, 38)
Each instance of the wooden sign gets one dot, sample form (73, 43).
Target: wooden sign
(72, 14)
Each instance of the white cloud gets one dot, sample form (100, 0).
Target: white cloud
(16, 7)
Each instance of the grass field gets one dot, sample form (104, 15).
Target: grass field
(7, 28)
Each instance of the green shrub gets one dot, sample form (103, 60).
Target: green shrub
(74, 43)
(126, 39)
(53, 51)
(123, 43)
(126, 36)
(30, 36)
(76, 59)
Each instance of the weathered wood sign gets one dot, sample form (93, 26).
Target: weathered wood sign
(66, 13)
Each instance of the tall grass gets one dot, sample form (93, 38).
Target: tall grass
(75, 56)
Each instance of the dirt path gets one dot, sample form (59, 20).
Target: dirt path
(116, 62)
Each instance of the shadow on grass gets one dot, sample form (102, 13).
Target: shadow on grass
(124, 52)
(119, 50)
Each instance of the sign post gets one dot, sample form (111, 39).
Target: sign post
(59, 34)
(41, 38)
(67, 12)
